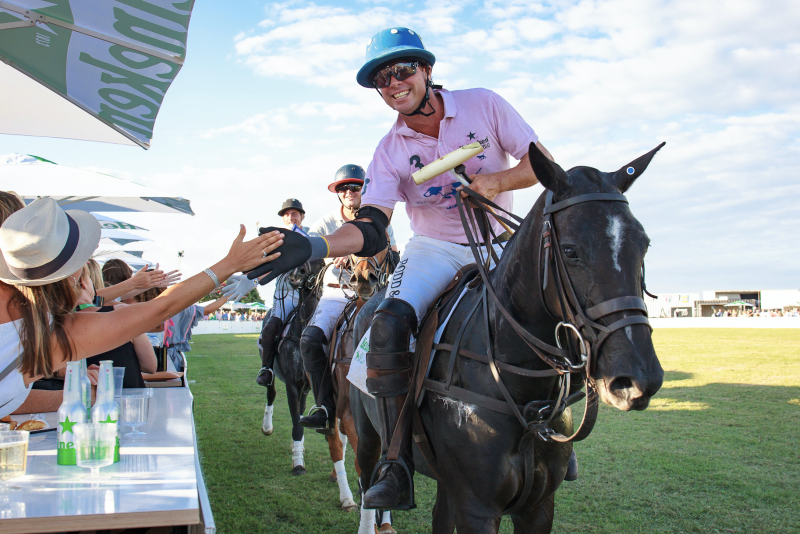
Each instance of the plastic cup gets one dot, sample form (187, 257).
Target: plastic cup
(133, 412)
(13, 457)
(119, 377)
(94, 445)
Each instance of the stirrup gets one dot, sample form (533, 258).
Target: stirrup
(263, 370)
(327, 429)
(402, 463)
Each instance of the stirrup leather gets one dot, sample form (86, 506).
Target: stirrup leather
(263, 371)
(411, 504)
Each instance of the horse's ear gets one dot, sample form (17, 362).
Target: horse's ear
(625, 177)
(549, 173)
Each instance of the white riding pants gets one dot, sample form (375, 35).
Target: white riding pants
(330, 307)
(425, 269)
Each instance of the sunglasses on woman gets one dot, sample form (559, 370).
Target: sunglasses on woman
(401, 71)
(353, 188)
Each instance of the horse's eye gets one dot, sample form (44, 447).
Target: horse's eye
(570, 253)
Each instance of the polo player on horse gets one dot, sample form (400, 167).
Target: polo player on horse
(284, 300)
(347, 184)
(431, 122)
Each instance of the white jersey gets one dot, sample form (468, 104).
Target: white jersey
(327, 225)
(13, 390)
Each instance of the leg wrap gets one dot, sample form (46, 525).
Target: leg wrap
(312, 348)
(389, 361)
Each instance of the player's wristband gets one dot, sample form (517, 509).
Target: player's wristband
(319, 248)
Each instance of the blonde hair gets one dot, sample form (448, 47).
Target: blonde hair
(92, 270)
(44, 311)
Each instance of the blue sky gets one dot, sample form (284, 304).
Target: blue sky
(267, 107)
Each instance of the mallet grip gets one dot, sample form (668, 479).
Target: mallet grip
(446, 162)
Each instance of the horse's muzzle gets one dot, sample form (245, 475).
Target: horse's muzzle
(631, 392)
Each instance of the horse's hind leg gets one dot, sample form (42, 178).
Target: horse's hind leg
(266, 423)
(368, 452)
(537, 521)
(296, 400)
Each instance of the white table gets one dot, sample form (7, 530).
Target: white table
(155, 483)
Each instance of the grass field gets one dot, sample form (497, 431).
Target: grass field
(717, 451)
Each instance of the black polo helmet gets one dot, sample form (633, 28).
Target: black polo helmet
(348, 174)
(291, 204)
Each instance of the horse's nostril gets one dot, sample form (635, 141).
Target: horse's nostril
(620, 384)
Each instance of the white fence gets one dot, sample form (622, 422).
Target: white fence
(227, 327)
(726, 322)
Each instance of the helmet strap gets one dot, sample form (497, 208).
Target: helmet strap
(425, 100)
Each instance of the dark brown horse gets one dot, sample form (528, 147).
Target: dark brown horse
(488, 463)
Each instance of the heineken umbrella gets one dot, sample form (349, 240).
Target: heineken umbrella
(257, 306)
(80, 189)
(89, 69)
(118, 237)
(109, 223)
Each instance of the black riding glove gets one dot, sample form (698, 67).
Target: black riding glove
(295, 250)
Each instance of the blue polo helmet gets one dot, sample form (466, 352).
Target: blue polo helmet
(389, 45)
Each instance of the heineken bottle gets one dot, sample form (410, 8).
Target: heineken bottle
(86, 389)
(105, 409)
(71, 412)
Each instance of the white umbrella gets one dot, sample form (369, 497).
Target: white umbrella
(118, 237)
(33, 177)
(131, 257)
(109, 223)
(88, 69)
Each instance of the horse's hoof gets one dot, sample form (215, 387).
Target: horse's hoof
(349, 505)
(386, 528)
(332, 479)
(267, 431)
(298, 470)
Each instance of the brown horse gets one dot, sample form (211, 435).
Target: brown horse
(369, 275)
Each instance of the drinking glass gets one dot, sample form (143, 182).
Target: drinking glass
(13, 457)
(94, 444)
(119, 378)
(133, 412)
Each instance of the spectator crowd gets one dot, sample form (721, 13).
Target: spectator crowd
(756, 312)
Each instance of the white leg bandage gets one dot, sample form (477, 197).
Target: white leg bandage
(367, 524)
(297, 453)
(345, 495)
(387, 517)
(266, 424)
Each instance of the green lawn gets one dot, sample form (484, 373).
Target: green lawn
(717, 451)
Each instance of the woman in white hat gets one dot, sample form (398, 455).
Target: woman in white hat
(42, 253)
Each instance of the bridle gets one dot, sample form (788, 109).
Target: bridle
(383, 269)
(585, 323)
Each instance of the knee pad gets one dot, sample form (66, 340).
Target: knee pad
(389, 360)
(312, 348)
(272, 329)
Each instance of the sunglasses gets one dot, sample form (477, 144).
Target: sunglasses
(353, 188)
(401, 71)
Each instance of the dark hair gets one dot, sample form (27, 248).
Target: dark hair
(9, 203)
(116, 272)
(149, 295)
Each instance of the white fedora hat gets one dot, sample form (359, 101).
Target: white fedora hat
(42, 243)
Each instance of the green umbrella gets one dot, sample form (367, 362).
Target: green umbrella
(739, 303)
(83, 69)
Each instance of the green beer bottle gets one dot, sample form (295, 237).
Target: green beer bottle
(71, 411)
(105, 409)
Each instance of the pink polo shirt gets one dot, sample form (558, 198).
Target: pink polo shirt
(471, 115)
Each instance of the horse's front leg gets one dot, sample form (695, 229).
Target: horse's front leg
(296, 400)
(538, 521)
(336, 450)
(444, 522)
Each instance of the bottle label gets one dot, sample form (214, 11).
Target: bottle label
(66, 453)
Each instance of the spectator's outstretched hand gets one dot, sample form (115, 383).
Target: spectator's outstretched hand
(247, 255)
(144, 279)
(295, 251)
(237, 286)
(170, 279)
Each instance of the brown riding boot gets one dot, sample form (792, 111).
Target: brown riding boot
(389, 364)
(266, 343)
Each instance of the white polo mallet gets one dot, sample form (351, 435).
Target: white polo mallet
(453, 163)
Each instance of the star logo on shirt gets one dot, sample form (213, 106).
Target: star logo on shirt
(109, 420)
(481, 156)
(471, 136)
(66, 426)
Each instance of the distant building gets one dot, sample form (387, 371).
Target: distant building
(693, 305)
